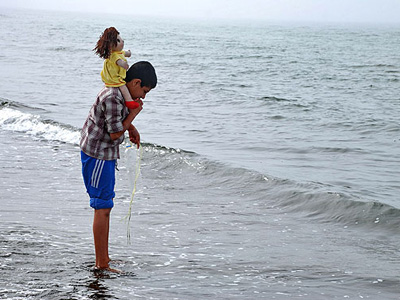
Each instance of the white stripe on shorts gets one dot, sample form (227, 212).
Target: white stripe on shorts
(96, 174)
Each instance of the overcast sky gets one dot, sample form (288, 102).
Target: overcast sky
(380, 11)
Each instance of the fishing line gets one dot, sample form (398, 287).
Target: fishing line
(127, 218)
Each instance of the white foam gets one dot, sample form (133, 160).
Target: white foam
(15, 120)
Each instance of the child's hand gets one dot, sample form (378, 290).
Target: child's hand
(128, 53)
(122, 64)
(125, 65)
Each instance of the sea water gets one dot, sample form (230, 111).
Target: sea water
(269, 170)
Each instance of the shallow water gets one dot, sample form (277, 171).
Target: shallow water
(197, 231)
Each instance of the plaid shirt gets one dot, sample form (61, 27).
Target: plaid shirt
(105, 117)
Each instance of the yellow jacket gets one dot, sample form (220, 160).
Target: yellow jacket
(112, 74)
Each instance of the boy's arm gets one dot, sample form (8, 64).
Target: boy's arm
(127, 122)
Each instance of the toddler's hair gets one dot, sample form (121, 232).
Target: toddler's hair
(108, 40)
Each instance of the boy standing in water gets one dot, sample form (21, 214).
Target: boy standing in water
(102, 133)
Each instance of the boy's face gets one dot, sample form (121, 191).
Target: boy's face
(136, 90)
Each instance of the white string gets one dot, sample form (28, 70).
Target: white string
(137, 173)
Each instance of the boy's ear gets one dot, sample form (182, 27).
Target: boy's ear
(137, 81)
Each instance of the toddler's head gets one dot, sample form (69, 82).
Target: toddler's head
(109, 41)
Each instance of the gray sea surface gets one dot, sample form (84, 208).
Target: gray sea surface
(269, 168)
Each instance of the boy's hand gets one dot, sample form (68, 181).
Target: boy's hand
(134, 135)
(132, 115)
(128, 53)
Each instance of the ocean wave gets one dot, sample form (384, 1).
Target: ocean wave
(274, 99)
(316, 202)
(12, 119)
(320, 203)
(331, 207)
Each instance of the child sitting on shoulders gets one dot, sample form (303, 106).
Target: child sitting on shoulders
(109, 47)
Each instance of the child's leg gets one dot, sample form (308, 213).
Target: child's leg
(127, 97)
(125, 93)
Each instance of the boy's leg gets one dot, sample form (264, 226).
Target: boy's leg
(101, 223)
(99, 178)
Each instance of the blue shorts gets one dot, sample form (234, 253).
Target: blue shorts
(99, 178)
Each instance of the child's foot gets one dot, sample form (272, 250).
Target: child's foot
(131, 104)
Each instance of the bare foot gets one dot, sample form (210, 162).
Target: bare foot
(114, 270)
(107, 269)
(116, 261)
